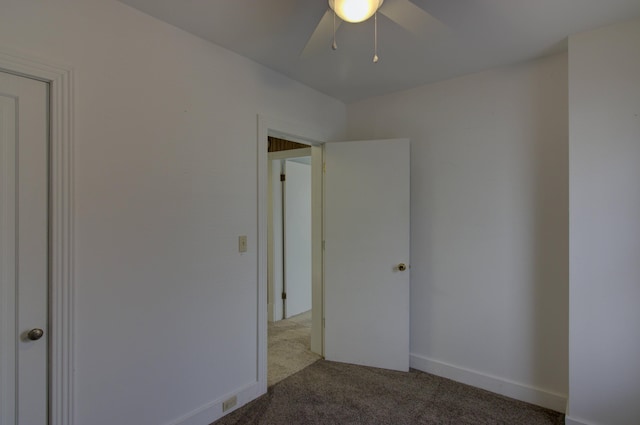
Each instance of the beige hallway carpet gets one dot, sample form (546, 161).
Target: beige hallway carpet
(289, 347)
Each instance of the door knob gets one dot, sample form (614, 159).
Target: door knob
(35, 334)
(402, 267)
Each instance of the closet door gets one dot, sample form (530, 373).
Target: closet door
(23, 251)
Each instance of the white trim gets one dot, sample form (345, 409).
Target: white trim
(268, 126)
(317, 237)
(62, 302)
(505, 387)
(571, 421)
(271, 305)
(8, 334)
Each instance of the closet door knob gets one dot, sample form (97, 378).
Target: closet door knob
(35, 334)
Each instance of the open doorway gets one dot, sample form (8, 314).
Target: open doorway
(313, 139)
(289, 259)
(364, 266)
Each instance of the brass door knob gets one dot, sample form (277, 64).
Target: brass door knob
(35, 334)
(402, 267)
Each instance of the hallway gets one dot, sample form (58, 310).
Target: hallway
(289, 347)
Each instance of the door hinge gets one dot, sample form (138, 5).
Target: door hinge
(284, 295)
(324, 244)
(283, 177)
(324, 167)
(323, 322)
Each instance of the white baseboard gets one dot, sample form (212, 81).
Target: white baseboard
(494, 384)
(212, 411)
(572, 421)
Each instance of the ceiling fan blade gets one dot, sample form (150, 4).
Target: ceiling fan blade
(413, 19)
(322, 36)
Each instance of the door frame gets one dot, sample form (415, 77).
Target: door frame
(273, 307)
(61, 226)
(296, 132)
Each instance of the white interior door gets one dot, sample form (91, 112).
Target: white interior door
(297, 235)
(366, 240)
(23, 250)
(275, 257)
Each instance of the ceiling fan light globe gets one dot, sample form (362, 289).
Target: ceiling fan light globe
(355, 11)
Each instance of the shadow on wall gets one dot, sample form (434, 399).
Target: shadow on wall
(550, 156)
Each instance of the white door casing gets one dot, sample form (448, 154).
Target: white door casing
(24, 239)
(317, 297)
(367, 212)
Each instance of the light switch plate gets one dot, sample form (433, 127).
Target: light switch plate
(242, 244)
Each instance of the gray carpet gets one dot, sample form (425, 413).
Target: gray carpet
(334, 393)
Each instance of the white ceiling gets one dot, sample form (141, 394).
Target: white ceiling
(427, 40)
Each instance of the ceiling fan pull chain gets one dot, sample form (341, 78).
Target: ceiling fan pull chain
(375, 37)
(334, 46)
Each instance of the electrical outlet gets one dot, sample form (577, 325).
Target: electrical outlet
(228, 404)
(242, 244)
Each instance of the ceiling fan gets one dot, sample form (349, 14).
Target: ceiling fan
(404, 13)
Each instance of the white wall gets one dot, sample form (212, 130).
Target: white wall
(489, 224)
(275, 298)
(604, 102)
(298, 237)
(165, 171)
